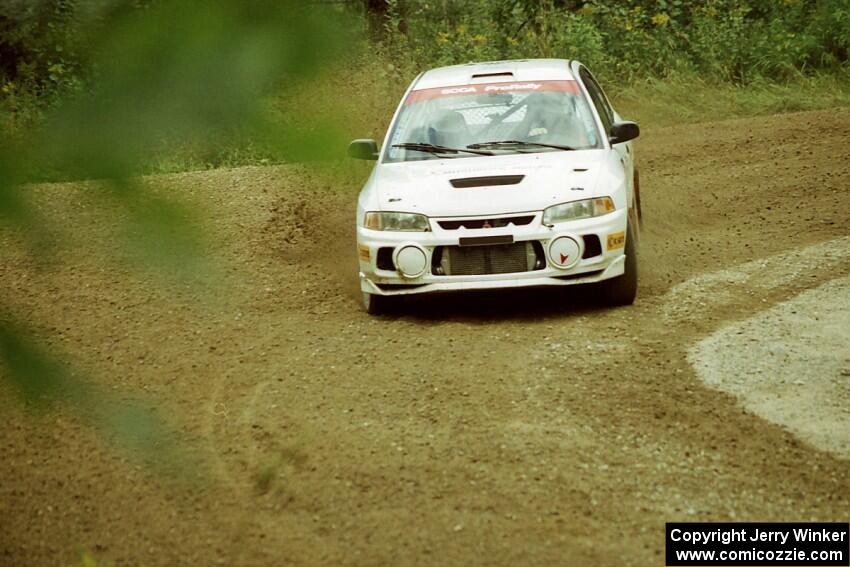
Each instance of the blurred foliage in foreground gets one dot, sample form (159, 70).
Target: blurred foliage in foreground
(126, 80)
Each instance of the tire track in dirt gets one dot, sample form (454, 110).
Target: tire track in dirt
(731, 291)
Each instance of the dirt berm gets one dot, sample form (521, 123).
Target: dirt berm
(523, 428)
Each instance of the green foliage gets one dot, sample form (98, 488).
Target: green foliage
(178, 74)
(159, 76)
(688, 99)
(42, 379)
(39, 44)
(89, 560)
(43, 54)
(730, 40)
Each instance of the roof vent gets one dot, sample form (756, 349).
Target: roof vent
(491, 75)
(488, 181)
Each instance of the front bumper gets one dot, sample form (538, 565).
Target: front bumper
(608, 263)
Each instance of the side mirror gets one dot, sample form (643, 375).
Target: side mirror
(363, 149)
(623, 132)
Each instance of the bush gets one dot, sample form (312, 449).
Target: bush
(729, 40)
(40, 44)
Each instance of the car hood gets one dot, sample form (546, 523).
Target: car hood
(548, 178)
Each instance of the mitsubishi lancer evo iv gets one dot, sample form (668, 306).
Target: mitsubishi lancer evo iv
(500, 175)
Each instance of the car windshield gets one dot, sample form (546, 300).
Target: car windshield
(539, 112)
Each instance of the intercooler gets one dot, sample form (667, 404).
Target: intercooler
(490, 259)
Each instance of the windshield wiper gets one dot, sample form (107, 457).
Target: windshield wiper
(518, 143)
(433, 149)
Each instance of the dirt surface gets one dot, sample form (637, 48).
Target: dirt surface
(791, 363)
(524, 428)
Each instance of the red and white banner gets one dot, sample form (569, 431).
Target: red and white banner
(488, 88)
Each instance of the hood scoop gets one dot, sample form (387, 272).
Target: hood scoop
(487, 181)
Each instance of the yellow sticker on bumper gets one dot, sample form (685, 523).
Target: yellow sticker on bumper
(616, 240)
(363, 252)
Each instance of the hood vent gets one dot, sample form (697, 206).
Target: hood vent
(487, 181)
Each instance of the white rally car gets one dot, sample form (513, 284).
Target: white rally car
(500, 175)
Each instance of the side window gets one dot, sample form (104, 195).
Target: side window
(598, 98)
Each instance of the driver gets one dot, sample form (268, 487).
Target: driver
(449, 129)
(551, 119)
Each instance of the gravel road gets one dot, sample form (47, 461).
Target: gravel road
(521, 428)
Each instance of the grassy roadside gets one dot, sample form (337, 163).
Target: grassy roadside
(365, 101)
(687, 100)
(364, 97)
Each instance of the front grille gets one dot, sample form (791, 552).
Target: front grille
(483, 260)
(486, 223)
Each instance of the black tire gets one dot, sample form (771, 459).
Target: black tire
(377, 304)
(622, 290)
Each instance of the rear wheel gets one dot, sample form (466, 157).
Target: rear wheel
(377, 304)
(622, 290)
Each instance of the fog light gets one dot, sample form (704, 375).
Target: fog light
(411, 261)
(564, 252)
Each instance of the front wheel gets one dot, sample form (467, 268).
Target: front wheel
(377, 304)
(622, 290)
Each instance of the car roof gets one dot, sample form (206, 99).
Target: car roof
(496, 72)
